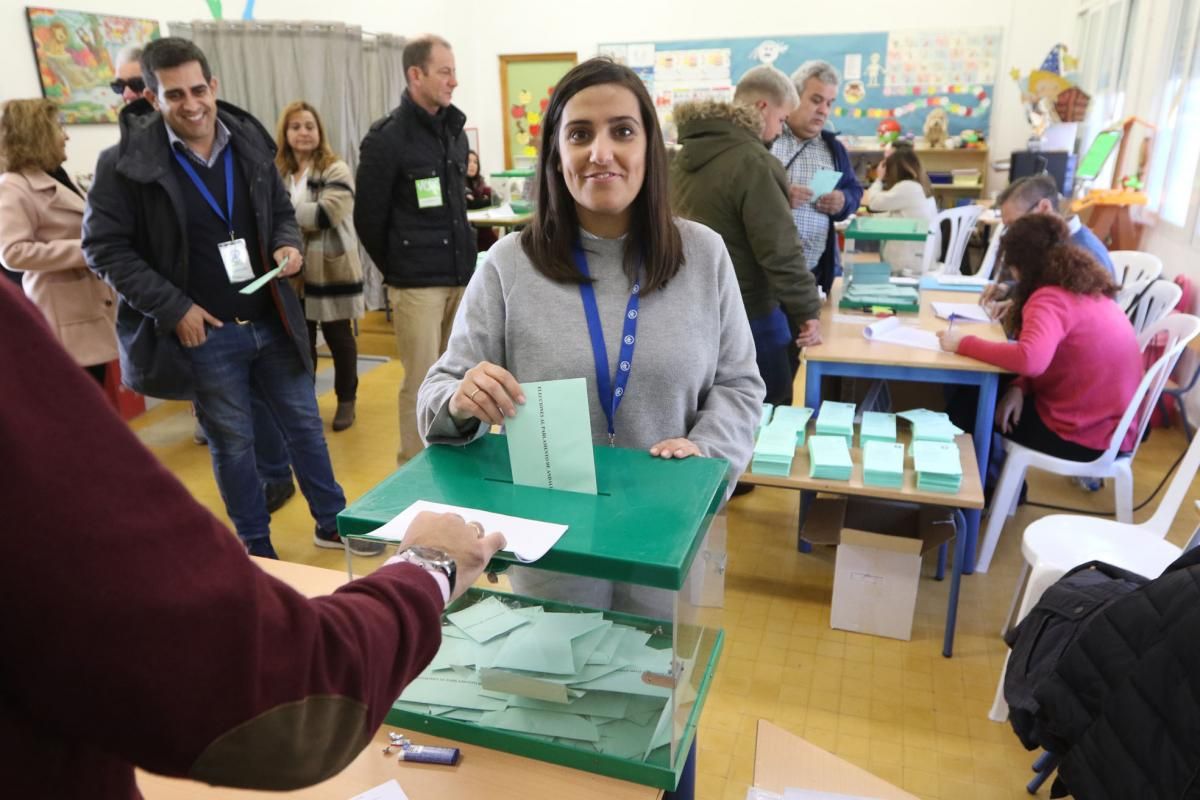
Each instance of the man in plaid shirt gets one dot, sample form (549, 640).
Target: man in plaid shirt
(804, 147)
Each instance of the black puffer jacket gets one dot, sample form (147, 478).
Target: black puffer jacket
(135, 237)
(1123, 706)
(414, 246)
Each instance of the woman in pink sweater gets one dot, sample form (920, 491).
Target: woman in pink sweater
(1076, 356)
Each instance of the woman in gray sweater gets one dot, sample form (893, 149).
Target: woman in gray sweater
(662, 299)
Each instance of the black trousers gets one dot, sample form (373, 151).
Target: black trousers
(98, 371)
(339, 335)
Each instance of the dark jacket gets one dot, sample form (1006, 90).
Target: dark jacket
(724, 177)
(415, 246)
(135, 237)
(831, 260)
(1124, 703)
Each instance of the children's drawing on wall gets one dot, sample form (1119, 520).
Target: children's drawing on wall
(853, 92)
(75, 53)
(768, 52)
(874, 70)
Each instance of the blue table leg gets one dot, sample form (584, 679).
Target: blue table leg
(806, 499)
(985, 413)
(812, 399)
(960, 551)
(686, 788)
(941, 562)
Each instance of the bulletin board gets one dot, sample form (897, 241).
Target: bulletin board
(526, 82)
(900, 75)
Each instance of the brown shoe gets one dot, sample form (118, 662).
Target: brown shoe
(344, 417)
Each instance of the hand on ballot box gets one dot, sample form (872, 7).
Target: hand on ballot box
(810, 334)
(466, 543)
(488, 392)
(678, 447)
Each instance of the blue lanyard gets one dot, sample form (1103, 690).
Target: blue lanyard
(610, 396)
(207, 195)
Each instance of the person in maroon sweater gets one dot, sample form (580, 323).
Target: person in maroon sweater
(138, 633)
(1076, 355)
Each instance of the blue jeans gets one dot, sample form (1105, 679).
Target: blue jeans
(236, 363)
(270, 449)
(772, 339)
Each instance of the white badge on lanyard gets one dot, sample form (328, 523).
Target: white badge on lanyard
(236, 258)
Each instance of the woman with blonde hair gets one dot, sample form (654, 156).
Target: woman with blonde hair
(41, 224)
(322, 189)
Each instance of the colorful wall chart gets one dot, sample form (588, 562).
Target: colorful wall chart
(900, 76)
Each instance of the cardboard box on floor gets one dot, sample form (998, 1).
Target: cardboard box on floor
(878, 567)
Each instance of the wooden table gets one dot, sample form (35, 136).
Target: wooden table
(968, 498)
(480, 772)
(783, 760)
(846, 353)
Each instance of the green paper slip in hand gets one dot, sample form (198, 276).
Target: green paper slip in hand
(550, 438)
(824, 181)
(264, 279)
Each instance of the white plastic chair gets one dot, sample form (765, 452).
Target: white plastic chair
(1146, 302)
(990, 266)
(1053, 546)
(1133, 265)
(962, 222)
(1179, 329)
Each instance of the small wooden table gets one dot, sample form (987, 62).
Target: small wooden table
(480, 772)
(845, 352)
(783, 760)
(968, 498)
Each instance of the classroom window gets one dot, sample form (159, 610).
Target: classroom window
(1172, 185)
(1104, 32)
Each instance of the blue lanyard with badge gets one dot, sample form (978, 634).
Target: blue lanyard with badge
(611, 391)
(234, 254)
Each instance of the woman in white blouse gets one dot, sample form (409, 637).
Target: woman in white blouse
(902, 190)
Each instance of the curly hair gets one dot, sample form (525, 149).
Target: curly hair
(285, 157)
(29, 135)
(1039, 248)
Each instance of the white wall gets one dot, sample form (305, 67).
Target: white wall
(481, 30)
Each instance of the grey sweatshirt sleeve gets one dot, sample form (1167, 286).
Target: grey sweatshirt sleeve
(732, 406)
(477, 335)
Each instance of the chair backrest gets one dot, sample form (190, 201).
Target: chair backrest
(962, 222)
(1164, 515)
(1134, 265)
(990, 266)
(1151, 301)
(1176, 331)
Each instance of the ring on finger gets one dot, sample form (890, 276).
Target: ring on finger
(478, 529)
(471, 396)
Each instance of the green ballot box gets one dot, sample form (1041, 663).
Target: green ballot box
(614, 686)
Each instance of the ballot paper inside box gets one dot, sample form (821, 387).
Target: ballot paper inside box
(598, 654)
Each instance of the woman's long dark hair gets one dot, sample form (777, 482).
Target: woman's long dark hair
(476, 183)
(652, 232)
(904, 165)
(1039, 247)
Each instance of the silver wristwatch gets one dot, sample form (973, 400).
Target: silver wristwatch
(434, 559)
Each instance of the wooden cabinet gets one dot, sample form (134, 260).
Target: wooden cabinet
(935, 160)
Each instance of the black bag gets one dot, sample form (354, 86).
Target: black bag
(1057, 620)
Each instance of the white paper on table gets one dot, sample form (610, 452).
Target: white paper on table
(961, 280)
(384, 791)
(891, 331)
(966, 312)
(810, 794)
(528, 539)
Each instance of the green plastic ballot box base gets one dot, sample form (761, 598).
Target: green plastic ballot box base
(658, 770)
(644, 527)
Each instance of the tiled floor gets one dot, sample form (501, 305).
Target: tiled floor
(895, 708)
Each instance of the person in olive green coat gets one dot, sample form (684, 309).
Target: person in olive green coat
(725, 177)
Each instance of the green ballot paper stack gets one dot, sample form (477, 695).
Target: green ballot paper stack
(765, 419)
(876, 427)
(836, 419)
(829, 458)
(932, 426)
(883, 464)
(777, 443)
(938, 466)
(793, 418)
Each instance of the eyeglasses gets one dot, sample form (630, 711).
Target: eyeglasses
(136, 84)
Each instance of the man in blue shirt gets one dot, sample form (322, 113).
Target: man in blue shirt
(1038, 194)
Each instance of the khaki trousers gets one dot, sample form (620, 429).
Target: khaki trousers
(421, 319)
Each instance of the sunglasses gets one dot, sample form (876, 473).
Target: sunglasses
(137, 84)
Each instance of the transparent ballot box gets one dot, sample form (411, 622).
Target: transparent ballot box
(596, 656)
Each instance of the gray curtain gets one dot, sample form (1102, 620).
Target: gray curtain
(351, 78)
